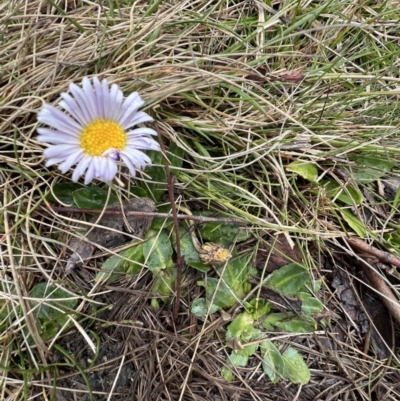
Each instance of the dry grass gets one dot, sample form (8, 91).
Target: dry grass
(244, 89)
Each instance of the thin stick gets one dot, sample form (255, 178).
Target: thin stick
(201, 219)
(384, 292)
(382, 256)
(179, 259)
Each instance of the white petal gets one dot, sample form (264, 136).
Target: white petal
(102, 168)
(143, 143)
(134, 118)
(99, 97)
(72, 107)
(71, 160)
(116, 98)
(129, 164)
(80, 98)
(137, 158)
(141, 131)
(106, 98)
(90, 98)
(111, 170)
(91, 171)
(81, 168)
(55, 137)
(55, 160)
(58, 150)
(133, 100)
(57, 119)
(130, 105)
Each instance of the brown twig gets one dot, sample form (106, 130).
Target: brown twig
(368, 257)
(382, 256)
(201, 219)
(383, 290)
(179, 259)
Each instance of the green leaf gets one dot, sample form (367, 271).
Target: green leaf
(165, 282)
(50, 297)
(227, 374)
(345, 193)
(354, 222)
(175, 156)
(139, 192)
(238, 325)
(200, 307)
(250, 334)
(393, 239)
(158, 184)
(271, 320)
(297, 325)
(188, 250)
(258, 308)
(304, 169)
(128, 261)
(316, 286)
(199, 266)
(370, 168)
(157, 250)
(309, 304)
(289, 279)
(62, 193)
(295, 369)
(273, 364)
(224, 296)
(236, 275)
(52, 306)
(161, 222)
(223, 234)
(93, 198)
(238, 358)
(249, 350)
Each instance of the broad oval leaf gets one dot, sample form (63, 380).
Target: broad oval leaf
(62, 192)
(347, 194)
(128, 261)
(157, 250)
(165, 282)
(227, 374)
(223, 234)
(188, 251)
(297, 325)
(201, 308)
(370, 168)
(354, 222)
(175, 155)
(295, 369)
(93, 198)
(238, 325)
(238, 358)
(218, 293)
(52, 306)
(51, 300)
(289, 279)
(158, 184)
(304, 169)
(273, 364)
(309, 304)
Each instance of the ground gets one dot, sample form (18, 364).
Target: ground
(279, 120)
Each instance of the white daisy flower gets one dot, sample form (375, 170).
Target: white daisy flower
(96, 132)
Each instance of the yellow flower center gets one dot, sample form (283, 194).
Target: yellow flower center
(101, 135)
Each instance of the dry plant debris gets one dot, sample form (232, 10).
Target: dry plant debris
(278, 114)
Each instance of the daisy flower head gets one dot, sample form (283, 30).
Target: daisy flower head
(95, 131)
